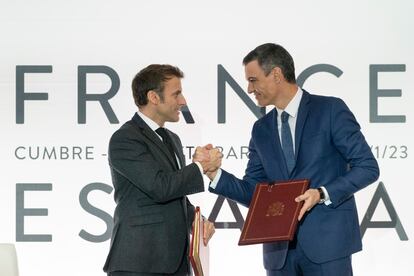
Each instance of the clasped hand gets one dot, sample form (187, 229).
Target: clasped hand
(209, 158)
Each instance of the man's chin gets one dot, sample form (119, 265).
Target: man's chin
(261, 104)
(174, 120)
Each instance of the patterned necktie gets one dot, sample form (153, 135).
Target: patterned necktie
(287, 143)
(168, 142)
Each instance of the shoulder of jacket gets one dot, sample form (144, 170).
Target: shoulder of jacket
(129, 128)
(262, 121)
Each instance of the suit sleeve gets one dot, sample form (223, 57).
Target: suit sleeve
(351, 143)
(241, 190)
(190, 214)
(130, 157)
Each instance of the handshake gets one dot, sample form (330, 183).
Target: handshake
(209, 158)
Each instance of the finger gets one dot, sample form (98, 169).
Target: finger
(212, 231)
(208, 147)
(299, 199)
(201, 156)
(307, 206)
(205, 230)
(206, 240)
(201, 150)
(214, 159)
(301, 213)
(205, 234)
(302, 197)
(210, 234)
(217, 155)
(204, 156)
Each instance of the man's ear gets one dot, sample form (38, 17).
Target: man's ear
(153, 97)
(277, 74)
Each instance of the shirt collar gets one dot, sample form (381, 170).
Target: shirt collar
(153, 125)
(293, 106)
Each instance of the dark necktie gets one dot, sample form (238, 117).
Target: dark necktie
(168, 142)
(287, 143)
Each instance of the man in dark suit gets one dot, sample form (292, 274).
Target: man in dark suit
(153, 216)
(304, 136)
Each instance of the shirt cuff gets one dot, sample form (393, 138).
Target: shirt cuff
(213, 184)
(327, 198)
(199, 167)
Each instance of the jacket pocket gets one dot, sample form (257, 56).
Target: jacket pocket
(146, 219)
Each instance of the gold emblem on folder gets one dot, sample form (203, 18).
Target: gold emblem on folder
(275, 209)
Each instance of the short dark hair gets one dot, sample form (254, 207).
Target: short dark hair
(272, 55)
(153, 77)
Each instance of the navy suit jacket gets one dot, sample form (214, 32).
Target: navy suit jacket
(331, 151)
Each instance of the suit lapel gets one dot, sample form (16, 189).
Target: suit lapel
(300, 122)
(271, 127)
(271, 140)
(178, 150)
(150, 134)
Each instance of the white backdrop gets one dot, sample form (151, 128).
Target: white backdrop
(128, 35)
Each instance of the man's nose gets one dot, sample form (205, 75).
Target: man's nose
(182, 101)
(250, 88)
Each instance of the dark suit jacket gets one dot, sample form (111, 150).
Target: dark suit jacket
(153, 216)
(331, 151)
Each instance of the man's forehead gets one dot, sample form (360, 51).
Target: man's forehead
(173, 81)
(252, 69)
(173, 85)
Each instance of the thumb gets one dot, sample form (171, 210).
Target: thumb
(302, 197)
(208, 147)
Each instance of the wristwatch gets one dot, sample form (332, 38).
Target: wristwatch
(321, 195)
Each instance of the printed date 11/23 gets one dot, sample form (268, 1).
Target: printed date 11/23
(390, 151)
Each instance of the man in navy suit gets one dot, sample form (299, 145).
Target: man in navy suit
(304, 136)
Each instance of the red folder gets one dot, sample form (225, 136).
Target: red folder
(199, 253)
(273, 212)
